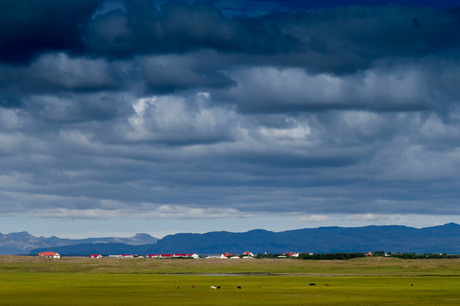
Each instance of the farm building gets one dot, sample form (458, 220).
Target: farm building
(154, 256)
(166, 256)
(226, 255)
(49, 254)
(171, 255)
(95, 256)
(291, 254)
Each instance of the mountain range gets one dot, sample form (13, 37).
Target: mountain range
(393, 238)
(23, 242)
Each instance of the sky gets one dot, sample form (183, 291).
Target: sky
(185, 116)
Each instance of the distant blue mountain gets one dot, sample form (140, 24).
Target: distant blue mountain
(23, 242)
(393, 238)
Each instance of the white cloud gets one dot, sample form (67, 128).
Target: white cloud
(64, 213)
(178, 119)
(147, 211)
(187, 212)
(379, 218)
(315, 218)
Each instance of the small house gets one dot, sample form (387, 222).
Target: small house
(95, 256)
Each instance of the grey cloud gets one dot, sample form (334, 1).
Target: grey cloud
(269, 90)
(72, 108)
(167, 74)
(345, 110)
(59, 73)
(179, 121)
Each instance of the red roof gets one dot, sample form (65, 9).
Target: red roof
(47, 254)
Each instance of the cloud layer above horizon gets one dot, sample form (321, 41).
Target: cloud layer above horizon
(228, 109)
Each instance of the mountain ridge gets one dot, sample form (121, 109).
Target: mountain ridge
(393, 238)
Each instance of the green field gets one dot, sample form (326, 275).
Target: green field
(363, 281)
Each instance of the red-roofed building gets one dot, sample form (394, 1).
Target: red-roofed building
(128, 255)
(95, 256)
(172, 255)
(226, 255)
(49, 254)
(291, 254)
(154, 255)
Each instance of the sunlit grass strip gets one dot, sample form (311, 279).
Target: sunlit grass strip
(105, 289)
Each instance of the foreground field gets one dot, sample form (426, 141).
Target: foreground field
(366, 281)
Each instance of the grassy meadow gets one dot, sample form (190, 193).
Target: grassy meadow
(363, 281)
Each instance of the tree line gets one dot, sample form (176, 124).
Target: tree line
(344, 255)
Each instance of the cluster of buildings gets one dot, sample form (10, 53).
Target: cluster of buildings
(246, 254)
(182, 255)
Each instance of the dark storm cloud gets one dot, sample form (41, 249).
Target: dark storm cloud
(140, 28)
(337, 40)
(177, 27)
(345, 40)
(28, 28)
